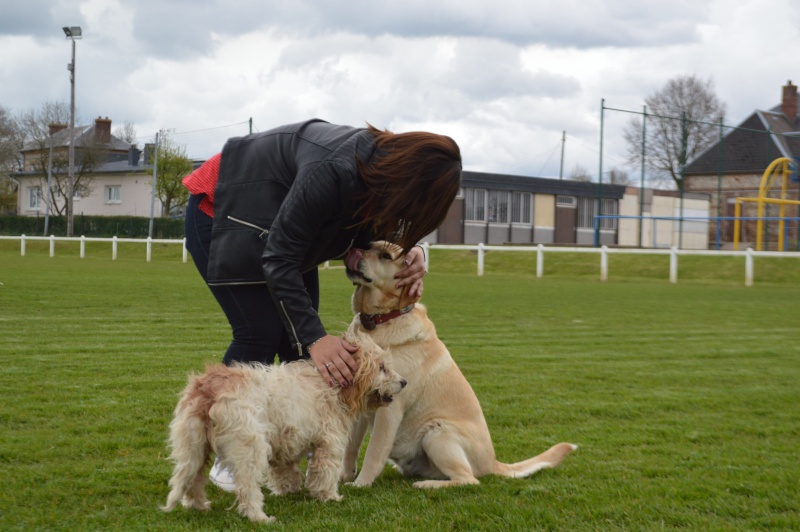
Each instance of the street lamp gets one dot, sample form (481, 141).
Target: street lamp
(72, 33)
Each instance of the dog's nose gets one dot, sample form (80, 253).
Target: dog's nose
(403, 383)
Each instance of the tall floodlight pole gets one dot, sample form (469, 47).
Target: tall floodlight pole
(72, 33)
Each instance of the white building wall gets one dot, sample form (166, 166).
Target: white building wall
(628, 228)
(134, 197)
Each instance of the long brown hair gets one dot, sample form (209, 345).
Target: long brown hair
(410, 183)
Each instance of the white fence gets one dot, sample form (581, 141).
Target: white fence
(540, 250)
(23, 239)
(748, 255)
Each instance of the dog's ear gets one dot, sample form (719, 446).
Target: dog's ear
(406, 298)
(354, 396)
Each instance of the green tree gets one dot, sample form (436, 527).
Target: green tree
(10, 145)
(173, 166)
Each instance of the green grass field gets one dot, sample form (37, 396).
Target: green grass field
(683, 398)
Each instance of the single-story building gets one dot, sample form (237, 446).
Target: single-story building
(506, 209)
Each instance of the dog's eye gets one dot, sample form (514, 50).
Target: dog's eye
(385, 255)
(383, 369)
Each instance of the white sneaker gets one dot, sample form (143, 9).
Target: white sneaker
(221, 477)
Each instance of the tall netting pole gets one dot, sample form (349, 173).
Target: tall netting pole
(684, 142)
(720, 153)
(641, 187)
(600, 177)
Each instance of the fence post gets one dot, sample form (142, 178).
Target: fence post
(604, 263)
(480, 259)
(539, 261)
(22, 246)
(748, 267)
(52, 245)
(114, 248)
(149, 248)
(673, 265)
(185, 252)
(83, 246)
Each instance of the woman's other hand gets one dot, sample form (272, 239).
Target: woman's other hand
(333, 358)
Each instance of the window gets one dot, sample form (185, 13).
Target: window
(475, 205)
(610, 208)
(521, 207)
(35, 198)
(113, 194)
(566, 201)
(497, 206)
(587, 210)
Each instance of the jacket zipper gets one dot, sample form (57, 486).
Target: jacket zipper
(262, 234)
(294, 332)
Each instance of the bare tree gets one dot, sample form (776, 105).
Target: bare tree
(618, 177)
(126, 132)
(579, 173)
(682, 121)
(173, 166)
(34, 126)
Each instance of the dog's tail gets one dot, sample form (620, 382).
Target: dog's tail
(547, 460)
(191, 451)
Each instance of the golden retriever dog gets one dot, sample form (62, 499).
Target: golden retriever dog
(262, 420)
(436, 430)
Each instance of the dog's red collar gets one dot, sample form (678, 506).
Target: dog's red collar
(370, 321)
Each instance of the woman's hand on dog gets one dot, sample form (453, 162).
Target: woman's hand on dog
(413, 273)
(333, 359)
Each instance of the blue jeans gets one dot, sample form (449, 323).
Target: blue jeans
(258, 331)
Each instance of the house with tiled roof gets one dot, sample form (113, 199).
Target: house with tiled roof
(116, 183)
(734, 166)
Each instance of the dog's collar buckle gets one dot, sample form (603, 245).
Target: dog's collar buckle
(370, 321)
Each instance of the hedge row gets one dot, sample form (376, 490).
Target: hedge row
(93, 226)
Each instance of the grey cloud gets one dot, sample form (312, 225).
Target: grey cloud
(37, 18)
(491, 70)
(183, 29)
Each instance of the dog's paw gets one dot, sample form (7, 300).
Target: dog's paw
(348, 476)
(326, 496)
(259, 517)
(197, 504)
(359, 484)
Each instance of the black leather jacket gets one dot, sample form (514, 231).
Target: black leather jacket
(284, 203)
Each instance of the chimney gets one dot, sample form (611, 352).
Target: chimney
(102, 130)
(789, 102)
(55, 128)
(133, 155)
(149, 152)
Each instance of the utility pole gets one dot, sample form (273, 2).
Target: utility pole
(561, 168)
(72, 33)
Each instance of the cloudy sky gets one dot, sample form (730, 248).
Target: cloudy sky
(504, 78)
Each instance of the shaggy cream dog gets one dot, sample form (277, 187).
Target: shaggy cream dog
(262, 420)
(436, 430)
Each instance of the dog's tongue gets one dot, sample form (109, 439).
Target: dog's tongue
(352, 258)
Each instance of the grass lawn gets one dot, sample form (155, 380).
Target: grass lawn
(683, 398)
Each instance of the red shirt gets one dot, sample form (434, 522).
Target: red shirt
(204, 181)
